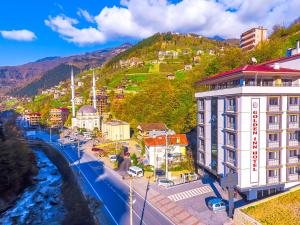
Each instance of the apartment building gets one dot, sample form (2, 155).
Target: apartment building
(58, 116)
(101, 101)
(251, 38)
(32, 119)
(248, 122)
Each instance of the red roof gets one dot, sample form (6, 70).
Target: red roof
(175, 139)
(263, 67)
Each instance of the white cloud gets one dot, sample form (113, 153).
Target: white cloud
(140, 19)
(85, 14)
(18, 35)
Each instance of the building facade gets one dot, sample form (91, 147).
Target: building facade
(251, 38)
(115, 130)
(249, 123)
(33, 119)
(151, 129)
(58, 116)
(156, 148)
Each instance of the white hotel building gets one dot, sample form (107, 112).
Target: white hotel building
(249, 123)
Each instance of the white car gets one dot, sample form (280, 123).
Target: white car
(164, 182)
(135, 171)
(113, 158)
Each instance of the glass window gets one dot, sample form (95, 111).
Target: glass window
(274, 101)
(273, 119)
(286, 82)
(273, 137)
(292, 170)
(293, 118)
(272, 173)
(293, 136)
(272, 155)
(293, 100)
(267, 83)
(231, 139)
(293, 153)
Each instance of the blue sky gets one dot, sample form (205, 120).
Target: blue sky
(31, 29)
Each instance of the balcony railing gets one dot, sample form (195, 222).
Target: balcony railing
(293, 177)
(292, 143)
(274, 108)
(273, 126)
(220, 87)
(273, 180)
(201, 107)
(293, 125)
(231, 108)
(293, 108)
(201, 148)
(293, 160)
(231, 126)
(273, 162)
(273, 144)
(231, 161)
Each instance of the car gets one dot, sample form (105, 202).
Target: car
(113, 158)
(139, 148)
(164, 182)
(96, 149)
(72, 139)
(135, 171)
(160, 173)
(216, 204)
(88, 138)
(67, 136)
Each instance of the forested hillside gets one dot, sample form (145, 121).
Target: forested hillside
(156, 77)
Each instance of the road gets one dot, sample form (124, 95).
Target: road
(107, 186)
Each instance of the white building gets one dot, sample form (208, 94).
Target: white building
(87, 116)
(115, 130)
(156, 148)
(249, 123)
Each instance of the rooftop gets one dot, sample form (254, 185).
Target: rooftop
(174, 139)
(87, 109)
(152, 126)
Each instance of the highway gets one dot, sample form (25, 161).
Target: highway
(104, 184)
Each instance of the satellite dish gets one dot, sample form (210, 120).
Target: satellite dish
(254, 60)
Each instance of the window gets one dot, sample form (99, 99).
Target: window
(293, 136)
(286, 82)
(231, 104)
(293, 170)
(273, 101)
(293, 118)
(293, 100)
(231, 139)
(250, 82)
(273, 137)
(272, 155)
(293, 153)
(230, 156)
(231, 121)
(267, 83)
(273, 119)
(272, 173)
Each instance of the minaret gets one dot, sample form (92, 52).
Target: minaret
(94, 90)
(73, 93)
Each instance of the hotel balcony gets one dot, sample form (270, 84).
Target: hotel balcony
(273, 126)
(231, 161)
(293, 177)
(273, 144)
(293, 108)
(273, 180)
(293, 125)
(231, 108)
(293, 160)
(273, 162)
(293, 143)
(201, 106)
(201, 148)
(273, 108)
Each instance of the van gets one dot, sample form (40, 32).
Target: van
(135, 171)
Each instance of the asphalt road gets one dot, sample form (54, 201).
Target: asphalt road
(105, 185)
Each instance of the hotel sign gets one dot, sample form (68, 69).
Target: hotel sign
(254, 140)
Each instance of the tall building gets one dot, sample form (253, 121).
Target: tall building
(249, 123)
(251, 38)
(58, 116)
(101, 101)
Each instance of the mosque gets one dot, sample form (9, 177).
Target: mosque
(87, 116)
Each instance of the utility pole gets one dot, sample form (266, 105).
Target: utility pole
(131, 201)
(166, 153)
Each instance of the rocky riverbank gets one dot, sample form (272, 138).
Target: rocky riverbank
(42, 202)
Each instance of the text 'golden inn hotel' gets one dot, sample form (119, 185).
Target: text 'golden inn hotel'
(249, 123)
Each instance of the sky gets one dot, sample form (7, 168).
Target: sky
(31, 29)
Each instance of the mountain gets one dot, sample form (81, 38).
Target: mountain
(14, 78)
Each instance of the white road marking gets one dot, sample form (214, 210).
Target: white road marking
(190, 193)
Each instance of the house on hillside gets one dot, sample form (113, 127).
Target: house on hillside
(188, 67)
(156, 148)
(78, 100)
(58, 116)
(199, 52)
(196, 59)
(170, 76)
(151, 129)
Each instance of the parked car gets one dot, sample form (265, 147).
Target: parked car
(72, 139)
(164, 182)
(216, 204)
(113, 158)
(135, 171)
(160, 173)
(96, 149)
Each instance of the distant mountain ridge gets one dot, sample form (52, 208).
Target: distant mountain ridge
(14, 78)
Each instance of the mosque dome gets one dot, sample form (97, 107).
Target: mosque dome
(87, 109)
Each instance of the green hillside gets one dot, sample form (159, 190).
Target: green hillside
(151, 97)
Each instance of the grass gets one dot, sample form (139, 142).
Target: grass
(180, 75)
(133, 88)
(137, 77)
(154, 68)
(283, 210)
